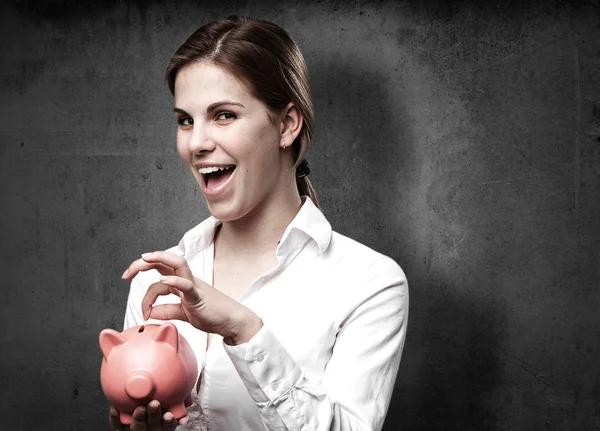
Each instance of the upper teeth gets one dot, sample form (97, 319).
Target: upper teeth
(212, 169)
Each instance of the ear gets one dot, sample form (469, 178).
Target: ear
(291, 124)
(109, 338)
(167, 333)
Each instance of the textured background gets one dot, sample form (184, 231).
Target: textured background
(462, 140)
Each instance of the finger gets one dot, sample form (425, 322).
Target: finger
(154, 291)
(185, 286)
(175, 261)
(154, 416)
(168, 312)
(141, 265)
(170, 423)
(138, 423)
(114, 419)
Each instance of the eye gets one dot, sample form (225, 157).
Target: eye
(185, 121)
(225, 117)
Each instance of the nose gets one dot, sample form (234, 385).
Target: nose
(201, 139)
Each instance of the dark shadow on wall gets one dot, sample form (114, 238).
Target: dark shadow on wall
(459, 367)
(366, 170)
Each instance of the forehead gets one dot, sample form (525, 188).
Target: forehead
(205, 83)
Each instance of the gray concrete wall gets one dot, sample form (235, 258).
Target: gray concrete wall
(462, 140)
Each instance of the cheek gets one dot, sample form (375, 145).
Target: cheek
(265, 142)
(182, 147)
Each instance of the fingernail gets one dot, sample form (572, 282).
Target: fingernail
(145, 255)
(125, 273)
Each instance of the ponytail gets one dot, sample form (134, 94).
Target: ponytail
(305, 187)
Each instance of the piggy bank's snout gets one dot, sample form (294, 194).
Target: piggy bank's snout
(139, 385)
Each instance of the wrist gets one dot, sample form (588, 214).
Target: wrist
(243, 329)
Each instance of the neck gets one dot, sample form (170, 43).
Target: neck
(260, 231)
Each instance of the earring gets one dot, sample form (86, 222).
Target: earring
(284, 146)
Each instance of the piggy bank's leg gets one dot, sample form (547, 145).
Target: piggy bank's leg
(125, 418)
(188, 400)
(178, 410)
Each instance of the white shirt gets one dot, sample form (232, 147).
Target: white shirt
(335, 315)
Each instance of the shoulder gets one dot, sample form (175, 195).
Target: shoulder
(355, 272)
(358, 277)
(357, 258)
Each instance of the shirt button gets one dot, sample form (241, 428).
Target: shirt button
(275, 385)
(260, 357)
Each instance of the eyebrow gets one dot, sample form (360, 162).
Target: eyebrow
(213, 106)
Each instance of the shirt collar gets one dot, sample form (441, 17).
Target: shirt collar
(200, 237)
(309, 221)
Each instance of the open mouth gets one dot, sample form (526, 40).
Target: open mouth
(214, 177)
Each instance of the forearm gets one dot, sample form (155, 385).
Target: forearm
(287, 397)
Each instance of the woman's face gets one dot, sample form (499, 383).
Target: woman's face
(229, 142)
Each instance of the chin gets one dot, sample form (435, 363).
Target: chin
(224, 211)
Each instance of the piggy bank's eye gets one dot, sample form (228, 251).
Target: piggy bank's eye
(141, 329)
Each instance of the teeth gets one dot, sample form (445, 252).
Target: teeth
(212, 169)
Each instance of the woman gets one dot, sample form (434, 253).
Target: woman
(294, 326)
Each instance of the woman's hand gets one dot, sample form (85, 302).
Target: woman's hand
(148, 418)
(205, 307)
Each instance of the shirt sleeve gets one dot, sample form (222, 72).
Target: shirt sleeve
(356, 387)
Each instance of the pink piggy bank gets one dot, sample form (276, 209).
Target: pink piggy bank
(145, 363)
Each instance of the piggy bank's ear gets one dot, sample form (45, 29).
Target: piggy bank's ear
(167, 333)
(110, 338)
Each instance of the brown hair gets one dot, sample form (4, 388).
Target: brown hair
(265, 58)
